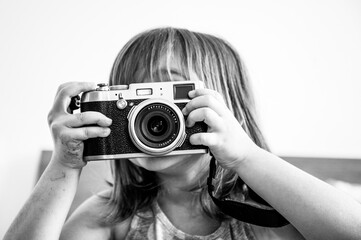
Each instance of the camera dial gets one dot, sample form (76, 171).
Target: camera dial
(102, 87)
(118, 87)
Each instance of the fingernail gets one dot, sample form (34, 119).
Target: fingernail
(106, 132)
(191, 93)
(109, 121)
(184, 111)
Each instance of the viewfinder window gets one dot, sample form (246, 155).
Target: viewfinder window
(181, 91)
(144, 91)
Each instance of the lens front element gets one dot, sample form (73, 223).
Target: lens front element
(157, 125)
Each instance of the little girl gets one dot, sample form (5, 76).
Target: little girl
(166, 197)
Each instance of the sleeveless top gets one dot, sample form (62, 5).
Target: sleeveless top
(153, 224)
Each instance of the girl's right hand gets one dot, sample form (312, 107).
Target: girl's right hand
(70, 130)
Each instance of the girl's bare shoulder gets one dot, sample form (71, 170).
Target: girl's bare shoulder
(88, 220)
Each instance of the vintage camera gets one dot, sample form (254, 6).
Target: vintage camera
(147, 120)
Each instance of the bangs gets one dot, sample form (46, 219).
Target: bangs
(154, 56)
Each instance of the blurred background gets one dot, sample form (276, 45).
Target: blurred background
(303, 57)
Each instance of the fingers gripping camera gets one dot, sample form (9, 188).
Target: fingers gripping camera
(147, 120)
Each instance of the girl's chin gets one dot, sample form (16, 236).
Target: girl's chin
(159, 164)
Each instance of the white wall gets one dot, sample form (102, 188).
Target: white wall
(304, 59)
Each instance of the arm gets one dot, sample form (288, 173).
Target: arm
(314, 208)
(44, 213)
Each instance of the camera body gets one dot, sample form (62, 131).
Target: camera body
(147, 120)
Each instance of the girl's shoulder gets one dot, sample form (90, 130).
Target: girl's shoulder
(88, 221)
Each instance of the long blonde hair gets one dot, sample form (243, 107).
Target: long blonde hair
(219, 66)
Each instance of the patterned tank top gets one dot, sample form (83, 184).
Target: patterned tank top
(154, 225)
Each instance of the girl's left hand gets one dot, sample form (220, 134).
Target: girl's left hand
(225, 137)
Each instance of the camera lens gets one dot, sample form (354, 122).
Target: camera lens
(156, 127)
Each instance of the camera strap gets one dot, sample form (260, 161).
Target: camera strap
(264, 216)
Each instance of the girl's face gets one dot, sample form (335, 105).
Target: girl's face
(168, 164)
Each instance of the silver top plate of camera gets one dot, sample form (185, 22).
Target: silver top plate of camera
(174, 91)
